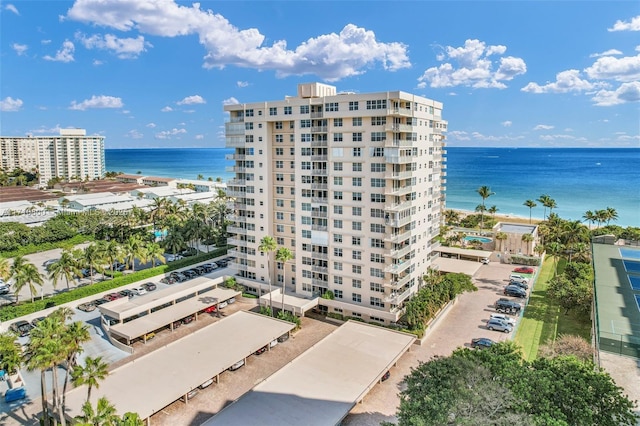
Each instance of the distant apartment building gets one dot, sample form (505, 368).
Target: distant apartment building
(352, 183)
(72, 154)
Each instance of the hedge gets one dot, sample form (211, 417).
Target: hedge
(14, 311)
(36, 248)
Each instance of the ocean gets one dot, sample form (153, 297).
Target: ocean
(578, 179)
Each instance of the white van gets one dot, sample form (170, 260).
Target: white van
(518, 278)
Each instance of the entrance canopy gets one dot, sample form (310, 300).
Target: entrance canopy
(297, 305)
(467, 267)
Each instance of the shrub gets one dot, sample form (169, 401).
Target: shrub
(249, 296)
(289, 317)
(335, 315)
(36, 248)
(265, 310)
(328, 295)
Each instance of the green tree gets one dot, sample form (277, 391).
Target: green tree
(544, 200)
(93, 371)
(589, 217)
(283, 255)
(531, 204)
(484, 192)
(75, 335)
(611, 214)
(103, 415)
(92, 258)
(501, 237)
(132, 419)
(25, 274)
(66, 267)
(492, 211)
(154, 252)
(5, 269)
(268, 245)
(451, 217)
(133, 249)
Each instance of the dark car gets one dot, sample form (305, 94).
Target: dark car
(126, 293)
(283, 338)
(101, 301)
(87, 307)
(482, 343)
(188, 319)
(385, 376)
(223, 263)
(149, 286)
(515, 291)
(191, 251)
(524, 286)
(21, 328)
(507, 306)
(178, 277)
(35, 321)
(212, 266)
(117, 266)
(261, 350)
(199, 270)
(190, 273)
(168, 280)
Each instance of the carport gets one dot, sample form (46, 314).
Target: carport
(167, 316)
(153, 381)
(468, 267)
(323, 384)
(463, 254)
(295, 304)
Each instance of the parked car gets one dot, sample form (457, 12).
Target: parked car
(485, 261)
(231, 301)
(190, 274)
(515, 291)
(211, 309)
(178, 277)
(507, 306)
(519, 278)
(273, 343)
(187, 320)
(261, 350)
(237, 365)
(481, 343)
(112, 296)
(149, 286)
(177, 324)
(524, 286)
(283, 338)
(503, 317)
(35, 321)
(87, 307)
(206, 268)
(139, 291)
(206, 384)
(222, 305)
(524, 270)
(117, 266)
(190, 395)
(494, 324)
(126, 293)
(168, 280)
(21, 328)
(4, 289)
(212, 265)
(191, 251)
(385, 376)
(223, 263)
(86, 273)
(100, 301)
(199, 270)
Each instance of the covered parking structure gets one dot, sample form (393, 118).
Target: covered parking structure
(297, 305)
(445, 265)
(463, 254)
(323, 384)
(153, 381)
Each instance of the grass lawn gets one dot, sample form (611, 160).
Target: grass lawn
(544, 320)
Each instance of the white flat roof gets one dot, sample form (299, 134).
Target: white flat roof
(468, 267)
(464, 252)
(163, 317)
(151, 382)
(323, 384)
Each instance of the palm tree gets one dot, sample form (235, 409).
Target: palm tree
(93, 259)
(573, 232)
(501, 236)
(174, 241)
(554, 250)
(531, 204)
(25, 274)
(132, 419)
(528, 238)
(155, 253)
(539, 249)
(484, 192)
(283, 255)
(451, 217)
(112, 253)
(133, 249)
(493, 210)
(66, 267)
(551, 203)
(589, 217)
(94, 370)
(544, 200)
(5, 269)
(268, 245)
(74, 336)
(158, 211)
(612, 214)
(104, 415)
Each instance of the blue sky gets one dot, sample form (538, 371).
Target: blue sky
(157, 73)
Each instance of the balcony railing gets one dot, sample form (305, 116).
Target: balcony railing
(397, 223)
(396, 238)
(237, 182)
(400, 282)
(232, 193)
(237, 119)
(319, 129)
(320, 172)
(394, 207)
(399, 128)
(320, 283)
(396, 268)
(322, 269)
(399, 175)
(237, 242)
(399, 159)
(319, 213)
(397, 298)
(397, 253)
(322, 200)
(399, 143)
(234, 141)
(233, 129)
(236, 169)
(237, 230)
(318, 255)
(317, 114)
(232, 157)
(319, 228)
(237, 218)
(405, 112)
(399, 191)
(319, 144)
(319, 186)
(319, 157)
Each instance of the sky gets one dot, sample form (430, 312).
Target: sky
(157, 73)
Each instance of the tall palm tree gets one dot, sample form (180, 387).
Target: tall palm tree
(573, 232)
(283, 255)
(528, 238)
(93, 371)
(74, 336)
(531, 204)
(5, 269)
(93, 259)
(554, 249)
(25, 274)
(612, 214)
(268, 245)
(133, 249)
(484, 192)
(158, 211)
(551, 203)
(589, 217)
(501, 236)
(155, 253)
(451, 217)
(104, 414)
(544, 200)
(66, 267)
(112, 253)
(492, 211)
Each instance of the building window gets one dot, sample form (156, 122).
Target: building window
(357, 152)
(357, 181)
(305, 124)
(378, 121)
(378, 136)
(357, 196)
(356, 121)
(377, 243)
(331, 106)
(306, 234)
(356, 297)
(337, 122)
(337, 167)
(337, 209)
(304, 109)
(279, 151)
(377, 183)
(356, 255)
(337, 195)
(377, 104)
(356, 226)
(273, 111)
(337, 137)
(377, 228)
(378, 198)
(337, 238)
(337, 252)
(356, 167)
(287, 110)
(278, 125)
(356, 211)
(356, 269)
(337, 224)
(376, 301)
(353, 105)
(279, 164)
(248, 113)
(377, 258)
(356, 283)
(378, 288)
(378, 167)
(356, 137)
(305, 137)
(337, 266)
(337, 280)
(337, 294)
(279, 216)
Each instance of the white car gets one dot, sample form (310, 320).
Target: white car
(273, 343)
(222, 305)
(232, 300)
(518, 278)
(237, 365)
(139, 291)
(485, 261)
(504, 318)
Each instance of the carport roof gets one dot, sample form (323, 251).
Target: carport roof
(323, 384)
(153, 381)
(467, 267)
(170, 314)
(464, 252)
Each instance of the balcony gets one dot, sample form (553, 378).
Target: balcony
(399, 191)
(319, 186)
(236, 182)
(397, 223)
(319, 144)
(237, 230)
(399, 283)
(237, 253)
(399, 128)
(319, 157)
(317, 114)
(321, 269)
(232, 193)
(398, 175)
(397, 268)
(319, 282)
(396, 238)
(236, 169)
(394, 207)
(231, 157)
(237, 119)
(319, 213)
(236, 242)
(318, 255)
(236, 218)
(398, 253)
(404, 112)
(399, 143)
(236, 206)
(319, 129)
(322, 200)
(320, 172)
(235, 141)
(399, 159)
(396, 298)
(233, 129)
(322, 228)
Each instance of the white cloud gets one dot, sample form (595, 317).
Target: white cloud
(167, 109)
(461, 135)
(134, 134)
(474, 67)
(199, 137)
(543, 127)
(45, 42)
(12, 8)
(330, 56)
(552, 138)
(97, 62)
(458, 135)
(151, 125)
(242, 83)
(46, 131)
(624, 137)
(506, 123)
(65, 54)
(230, 101)
(624, 69)
(609, 52)
(20, 48)
(627, 92)
(124, 48)
(192, 100)
(168, 134)
(633, 25)
(566, 81)
(9, 104)
(97, 102)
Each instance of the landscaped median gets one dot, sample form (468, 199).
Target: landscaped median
(25, 308)
(543, 320)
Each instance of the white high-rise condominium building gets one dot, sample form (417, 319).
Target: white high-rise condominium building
(72, 154)
(352, 183)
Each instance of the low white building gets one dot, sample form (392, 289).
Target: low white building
(196, 197)
(160, 192)
(86, 202)
(202, 185)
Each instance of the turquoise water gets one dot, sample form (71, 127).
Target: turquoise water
(578, 179)
(481, 239)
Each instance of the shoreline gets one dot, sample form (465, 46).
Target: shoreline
(505, 218)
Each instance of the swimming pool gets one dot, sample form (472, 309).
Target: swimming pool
(483, 240)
